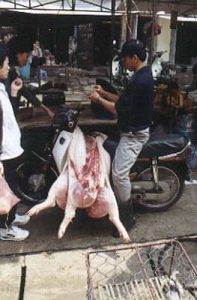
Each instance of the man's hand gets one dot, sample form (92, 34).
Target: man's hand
(106, 95)
(94, 96)
(16, 85)
(1, 169)
(99, 90)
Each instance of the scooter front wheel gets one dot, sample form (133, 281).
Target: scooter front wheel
(34, 182)
(169, 191)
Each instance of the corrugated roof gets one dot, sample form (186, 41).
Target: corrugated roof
(184, 7)
(70, 5)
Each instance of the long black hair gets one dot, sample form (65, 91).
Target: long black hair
(3, 54)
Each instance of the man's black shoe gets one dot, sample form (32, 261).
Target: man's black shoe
(130, 222)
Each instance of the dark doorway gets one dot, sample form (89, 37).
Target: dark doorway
(186, 46)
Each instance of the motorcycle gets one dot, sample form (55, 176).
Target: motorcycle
(157, 177)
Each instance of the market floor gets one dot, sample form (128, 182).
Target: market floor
(51, 269)
(83, 232)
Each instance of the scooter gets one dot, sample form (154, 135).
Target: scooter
(157, 62)
(157, 177)
(160, 68)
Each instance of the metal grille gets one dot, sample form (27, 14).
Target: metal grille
(141, 271)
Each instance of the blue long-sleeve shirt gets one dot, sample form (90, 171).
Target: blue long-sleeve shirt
(135, 105)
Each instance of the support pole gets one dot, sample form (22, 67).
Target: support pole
(173, 38)
(123, 36)
(113, 7)
(73, 4)
(154, 11)
(173, 46)
(133, 26)
(129, 28)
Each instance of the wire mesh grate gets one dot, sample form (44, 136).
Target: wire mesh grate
(141, 271)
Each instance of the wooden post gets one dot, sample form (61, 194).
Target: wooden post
(173, 46)
(128, 9)
(113, 7)
(123, 36)
(173, 27)
(128, 27)
(154, 11)
(133, 26)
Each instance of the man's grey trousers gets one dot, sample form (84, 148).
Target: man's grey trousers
(128, 149)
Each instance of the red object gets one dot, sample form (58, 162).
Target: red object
(148, 29)
(7, 198)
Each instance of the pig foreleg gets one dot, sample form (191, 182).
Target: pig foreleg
(68, 216)
(114, 218)
(49, 202)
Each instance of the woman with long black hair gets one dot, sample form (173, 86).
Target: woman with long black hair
(10, 150)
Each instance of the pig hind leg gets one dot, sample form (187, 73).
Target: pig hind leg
(68, 216)
(114, 218)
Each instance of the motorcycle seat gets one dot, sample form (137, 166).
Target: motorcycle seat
(165, 145)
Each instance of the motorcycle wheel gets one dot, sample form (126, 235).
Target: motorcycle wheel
(33, 183)
(175, 189)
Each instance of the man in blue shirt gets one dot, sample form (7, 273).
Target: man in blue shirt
(134, 109)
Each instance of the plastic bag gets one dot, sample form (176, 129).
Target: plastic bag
(7, 198)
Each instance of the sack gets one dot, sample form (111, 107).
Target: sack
(7, 198)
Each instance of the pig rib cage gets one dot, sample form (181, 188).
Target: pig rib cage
(141, 272)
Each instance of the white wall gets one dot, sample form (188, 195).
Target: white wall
(163, 39)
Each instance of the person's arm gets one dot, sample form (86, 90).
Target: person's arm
(15, 101)
(1, 139)
(31, 98)
(106, 95)
(16, 85)
(40, 52)
(110, 106)
(24, 91)
(29, 95)
(49, 112)
(1, 128)
(1, 169)
(95, 97)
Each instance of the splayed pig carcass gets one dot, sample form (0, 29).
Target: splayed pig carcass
(84, 183)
